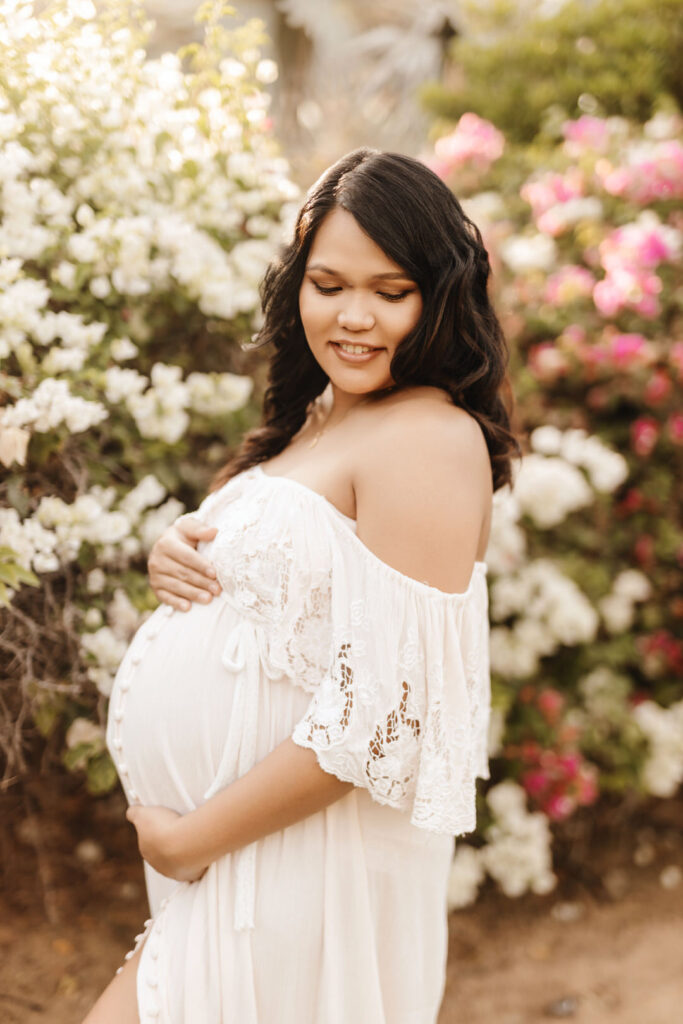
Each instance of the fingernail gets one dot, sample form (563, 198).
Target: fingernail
(212, 574)
(215, 589)
(185, 605)
(204, 597)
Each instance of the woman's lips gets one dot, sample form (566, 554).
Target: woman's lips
(353, 357)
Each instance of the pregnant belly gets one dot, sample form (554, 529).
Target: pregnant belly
(170, 706)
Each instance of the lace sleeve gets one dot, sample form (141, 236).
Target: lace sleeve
(403, 707)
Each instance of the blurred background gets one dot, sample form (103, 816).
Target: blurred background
(152, 159)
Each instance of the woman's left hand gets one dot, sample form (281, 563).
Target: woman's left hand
(159, 842)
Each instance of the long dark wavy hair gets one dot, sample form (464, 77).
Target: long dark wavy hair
(457, 345)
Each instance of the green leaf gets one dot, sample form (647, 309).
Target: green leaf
(101, 774)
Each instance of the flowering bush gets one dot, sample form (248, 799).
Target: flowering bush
(586, 548)
(141, 202)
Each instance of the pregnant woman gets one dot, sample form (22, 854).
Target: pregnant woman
(299, 726)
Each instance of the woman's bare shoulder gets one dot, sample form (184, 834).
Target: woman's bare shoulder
(424, 420)
(423, 491)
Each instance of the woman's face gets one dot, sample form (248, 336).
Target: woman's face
(353, 294)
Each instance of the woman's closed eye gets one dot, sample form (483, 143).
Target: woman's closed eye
(389, 296)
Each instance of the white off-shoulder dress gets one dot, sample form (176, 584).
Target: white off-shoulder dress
(342, 917)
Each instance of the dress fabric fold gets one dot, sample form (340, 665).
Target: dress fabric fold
(342, 916)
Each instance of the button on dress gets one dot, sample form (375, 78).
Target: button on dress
(340, 918)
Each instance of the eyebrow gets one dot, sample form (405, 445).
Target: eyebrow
(392, 275)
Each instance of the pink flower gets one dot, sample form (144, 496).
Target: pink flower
(676, 358)
(674, 427)
(552, 189)
(658, 388)
(653, 172)
(628, 350)
(535, 782)
(472, 142)
(559, 806)
(628, 287)
(546, 362)
(569, 763)
(644, 434)
(550, 703)
(587, 788)
(569, 284)
(586, 133)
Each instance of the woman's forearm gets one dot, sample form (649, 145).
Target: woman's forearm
(285, 787)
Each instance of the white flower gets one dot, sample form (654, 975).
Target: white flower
(548, 489)
(525, 253)
(96, 581)
(546, 440)
(617, 612)
(466, 875)
(632, 585)
(506, 547)
(518, 851)
(149, 491)
(122, 615)
(122, 349)
(496, 732)
(82, 730)
(155, 522)
(13, 445)
(122, 382)
(663, 727)
(93, 618)
(218, 394)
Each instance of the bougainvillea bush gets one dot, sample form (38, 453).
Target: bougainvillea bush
(586, 553)
(141, 202)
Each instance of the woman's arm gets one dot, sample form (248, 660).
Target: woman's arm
(286, 786)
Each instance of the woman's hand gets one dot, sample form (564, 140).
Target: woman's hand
(178, 574)
(160, 842)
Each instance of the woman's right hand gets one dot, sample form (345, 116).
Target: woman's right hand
(178, 574)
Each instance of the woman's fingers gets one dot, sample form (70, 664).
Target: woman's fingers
(166, 597)
(194, 529)
(176, 587)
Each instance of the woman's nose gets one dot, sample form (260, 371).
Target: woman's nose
(354, 318)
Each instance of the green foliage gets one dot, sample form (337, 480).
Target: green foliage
(613, 57)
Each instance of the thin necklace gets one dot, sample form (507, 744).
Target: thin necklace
(322, 430)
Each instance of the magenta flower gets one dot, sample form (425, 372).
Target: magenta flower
(644, 435)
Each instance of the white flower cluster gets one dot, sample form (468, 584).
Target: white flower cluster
(506, 548)
(518, 850)
(33, 545)
(549, 611)
(88, 519)
(53, 535)
(606, 468)
(517, 853)
(617, 608)
(52, 405)
(160, 410)
(216, 394)
(105, 647)
(605, 695)
(549, 489)
(663, 727)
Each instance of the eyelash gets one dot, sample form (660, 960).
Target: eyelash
(385, 295)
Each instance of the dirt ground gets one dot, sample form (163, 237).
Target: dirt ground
(606, 947)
